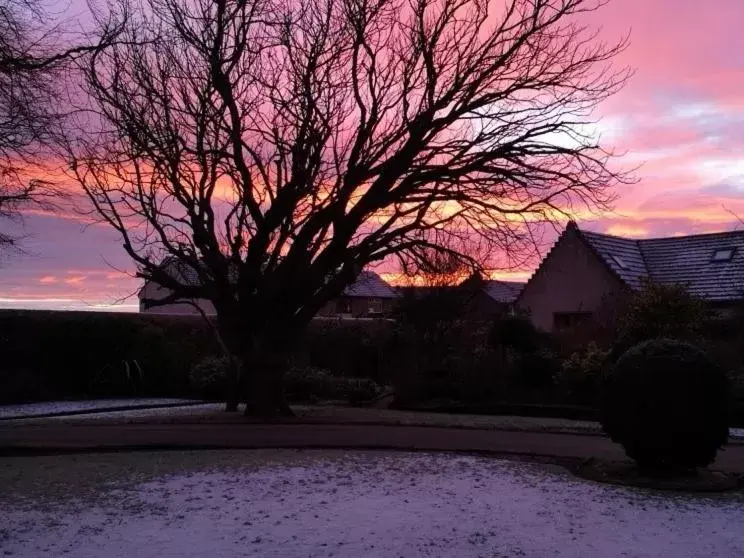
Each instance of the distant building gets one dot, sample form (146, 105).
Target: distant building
(368, 297)
(586, 273)
(151, 292)
(490, 297)
(474, 298)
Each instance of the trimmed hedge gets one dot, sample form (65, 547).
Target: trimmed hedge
(666, 402)
(65, 355)
(49, 355)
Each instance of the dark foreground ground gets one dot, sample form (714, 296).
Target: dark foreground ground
(24, 439)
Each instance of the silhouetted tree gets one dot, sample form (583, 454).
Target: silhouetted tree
(33, 57)
(277, 148)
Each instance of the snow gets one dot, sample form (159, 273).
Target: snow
(59, 407)
(378, 504)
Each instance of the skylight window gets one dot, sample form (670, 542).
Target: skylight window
(619, 261)
(723, 255)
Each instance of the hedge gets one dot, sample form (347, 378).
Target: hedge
(65, 355)
(49, 355)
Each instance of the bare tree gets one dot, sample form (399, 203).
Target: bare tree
(34, 53)
(276, 148)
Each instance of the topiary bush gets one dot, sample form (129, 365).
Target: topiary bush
(666, 402)
(207, 378)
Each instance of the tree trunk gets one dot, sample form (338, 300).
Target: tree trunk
(228, 335)
(265, 383)
(233, 390)
(265, 397)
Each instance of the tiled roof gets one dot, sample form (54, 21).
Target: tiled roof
(371, 285)
(503, 291)
(181, 271)
(623, 255)
(685, 260)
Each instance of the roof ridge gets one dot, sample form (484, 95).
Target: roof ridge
(720, 233)
(607, 235)
(644, 239)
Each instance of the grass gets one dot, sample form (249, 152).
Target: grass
(332, 414)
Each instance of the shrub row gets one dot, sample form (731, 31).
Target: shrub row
(301, 384)
(71, 355)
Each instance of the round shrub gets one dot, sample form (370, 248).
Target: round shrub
(207, 378)
(666, 402)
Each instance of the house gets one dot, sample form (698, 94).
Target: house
(587, 273)
(474, 298)
(490, 297)
(152, 291)
(369, 296)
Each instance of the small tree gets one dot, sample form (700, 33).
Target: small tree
(666, 402)
(34, 54)
(660, 310)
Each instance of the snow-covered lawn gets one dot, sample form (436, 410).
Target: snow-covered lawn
(59, 407)
(323, 503)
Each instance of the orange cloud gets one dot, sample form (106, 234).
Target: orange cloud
(48, 279)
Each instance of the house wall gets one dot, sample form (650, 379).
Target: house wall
(570, 279)
(153, 291)
(359, 307)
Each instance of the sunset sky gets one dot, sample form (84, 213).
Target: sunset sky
(681, 117)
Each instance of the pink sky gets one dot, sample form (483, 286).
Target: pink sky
(681, 117)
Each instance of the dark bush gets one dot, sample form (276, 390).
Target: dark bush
(306, 383)
(313, 384)
(661, 311)
(666, 402)
(578, 378)
(454, 363)
(208, 378)
(346, 348)
(514, 332)
(537, 369)
(355, 390)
